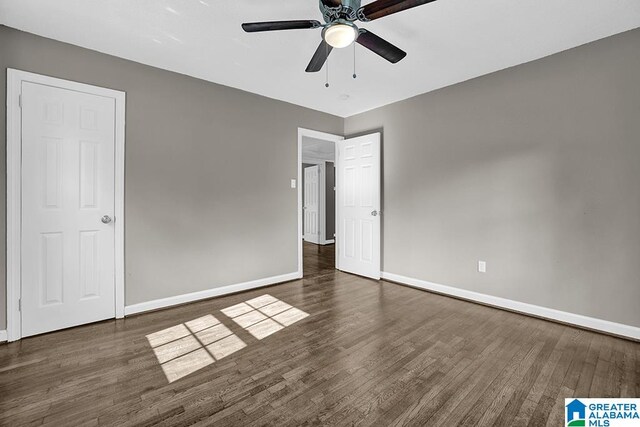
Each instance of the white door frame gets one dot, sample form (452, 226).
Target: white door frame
(14, 188)
(310, 134)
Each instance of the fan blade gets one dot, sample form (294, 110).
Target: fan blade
(332, 3)
(254, 27)
(380, 46)
(319, 58)
(381, 8)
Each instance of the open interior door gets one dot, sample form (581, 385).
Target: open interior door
(358, 205)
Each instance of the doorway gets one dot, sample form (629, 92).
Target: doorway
(355, 167)
(317, 208)
(65, 204)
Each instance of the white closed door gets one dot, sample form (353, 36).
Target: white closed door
(68, 252)
(358, 205)
(311, 204)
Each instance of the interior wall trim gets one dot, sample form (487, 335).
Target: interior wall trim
(3, 336)
(619, 329)
(208, 293)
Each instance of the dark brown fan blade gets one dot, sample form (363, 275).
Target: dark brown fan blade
(254, 27)
(381, 8)
(319, 58)
(332, 3)
(380, 46)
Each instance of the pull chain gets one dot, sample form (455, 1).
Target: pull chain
(327, 52)
(354, 61)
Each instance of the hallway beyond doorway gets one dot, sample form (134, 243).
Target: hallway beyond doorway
(318, 259)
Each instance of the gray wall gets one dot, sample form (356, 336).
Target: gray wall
(205, 204)
(534, 169)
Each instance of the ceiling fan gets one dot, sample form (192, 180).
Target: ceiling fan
(339, 30)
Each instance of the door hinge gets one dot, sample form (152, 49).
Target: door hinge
(20, 100)
(20, 304)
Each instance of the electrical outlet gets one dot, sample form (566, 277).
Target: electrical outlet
(482, 266)
(293, 183)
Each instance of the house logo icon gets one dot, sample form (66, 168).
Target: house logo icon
(576, 413)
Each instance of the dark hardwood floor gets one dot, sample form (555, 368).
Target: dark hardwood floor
(368, 353)
(318, 260)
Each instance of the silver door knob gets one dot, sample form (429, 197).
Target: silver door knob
(106, 219)
(374, 213)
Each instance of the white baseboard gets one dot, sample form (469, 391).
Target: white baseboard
(329, 242)
(209, 293)
(535, 310)
(3, 336)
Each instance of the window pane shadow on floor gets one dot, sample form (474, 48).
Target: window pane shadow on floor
(191, 346)
(264, 315)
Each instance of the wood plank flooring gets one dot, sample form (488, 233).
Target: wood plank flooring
(318, 260)
(368, 353)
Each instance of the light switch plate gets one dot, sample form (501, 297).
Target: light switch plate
(482, 266)
(293, 183)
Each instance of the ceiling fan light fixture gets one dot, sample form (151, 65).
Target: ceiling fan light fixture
(340, 34)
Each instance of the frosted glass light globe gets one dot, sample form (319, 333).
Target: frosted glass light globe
(340, 35)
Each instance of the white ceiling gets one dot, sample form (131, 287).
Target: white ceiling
(448, 41)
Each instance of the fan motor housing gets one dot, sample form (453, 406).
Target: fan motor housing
(347, 11)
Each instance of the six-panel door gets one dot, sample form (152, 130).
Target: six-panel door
(358, 198)
(68, 143)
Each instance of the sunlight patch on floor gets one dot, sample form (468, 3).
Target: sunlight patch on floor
(264, 315)
(188, 347)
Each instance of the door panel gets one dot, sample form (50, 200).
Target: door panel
(358, 187)
(68, 254)
(51, 269)
(311, 204)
